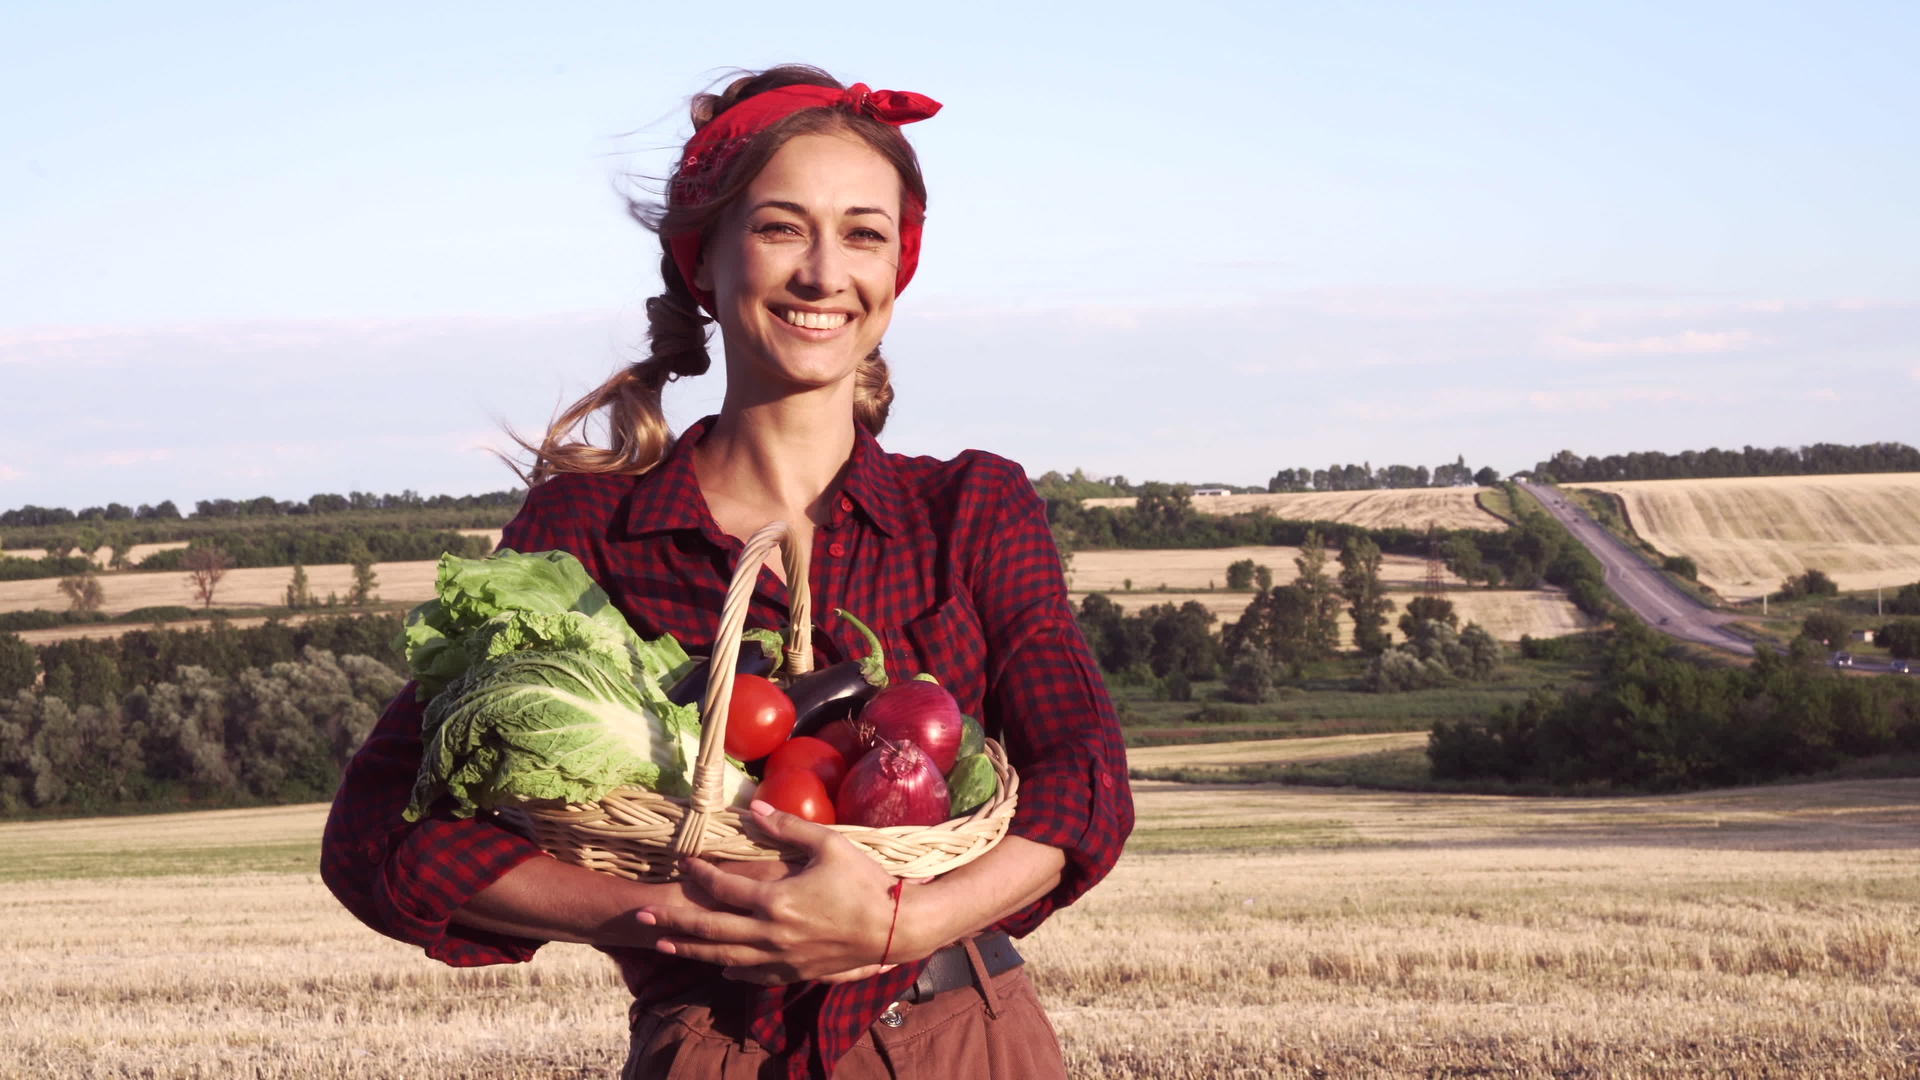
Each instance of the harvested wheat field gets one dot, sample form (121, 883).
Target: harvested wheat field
(1746, 534)
(1249, 931)
(103, 555)
(1222, 755)
(1198, 568)
(1406, 508)
(1507, 614)
(255, 587)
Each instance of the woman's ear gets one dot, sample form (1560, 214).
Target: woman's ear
(702, 277)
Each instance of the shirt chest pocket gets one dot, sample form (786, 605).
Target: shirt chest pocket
(947, 643)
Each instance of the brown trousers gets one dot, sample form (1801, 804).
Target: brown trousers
(993, 1032)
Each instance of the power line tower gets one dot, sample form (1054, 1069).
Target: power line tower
(1436, 585)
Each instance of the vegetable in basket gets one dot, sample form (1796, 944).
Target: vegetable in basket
(563, 705)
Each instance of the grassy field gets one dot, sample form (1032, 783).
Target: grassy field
(1288, 932)
(1746, 534)
(1415, 508)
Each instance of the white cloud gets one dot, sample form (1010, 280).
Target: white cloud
(124, 458)
(1825, 393)
(8, 472)
(1605, 399)
(1685, 342)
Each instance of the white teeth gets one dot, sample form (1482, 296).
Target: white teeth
(815, 320)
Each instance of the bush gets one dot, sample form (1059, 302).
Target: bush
(1681, 565)
(1176, 687)
(1251, 679)
(1901, 638)
(1826, 627)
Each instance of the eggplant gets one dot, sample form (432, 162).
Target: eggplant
(753, 660)
(832, 693)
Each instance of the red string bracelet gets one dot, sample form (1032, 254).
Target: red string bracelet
(898, 885)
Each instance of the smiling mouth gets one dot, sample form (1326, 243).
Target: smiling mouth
(815, 320)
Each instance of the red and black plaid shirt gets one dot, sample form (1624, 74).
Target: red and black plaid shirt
(951, 562)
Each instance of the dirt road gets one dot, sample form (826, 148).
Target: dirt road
(1660, 603)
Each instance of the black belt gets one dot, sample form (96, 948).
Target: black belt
(949, 969)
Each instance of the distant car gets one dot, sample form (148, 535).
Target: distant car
(1842, 659)
(1903, 667)
(1664, 620)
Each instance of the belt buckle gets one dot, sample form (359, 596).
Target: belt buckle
(893, 1017)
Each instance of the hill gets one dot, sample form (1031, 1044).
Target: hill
(1381, 508)
(1746, 534)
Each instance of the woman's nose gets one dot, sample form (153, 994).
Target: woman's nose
(824, 271)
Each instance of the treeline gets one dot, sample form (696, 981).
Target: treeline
(207, 716)
(1660, 722)
(97, 670)
(1820, 458)
(1536, 550)
(264, 506)
(281, 545)
(90, 534)
(1364, 477)
(321, 544)
(278, 734)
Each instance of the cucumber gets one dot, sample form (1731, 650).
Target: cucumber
(973, 738)
(971, 783)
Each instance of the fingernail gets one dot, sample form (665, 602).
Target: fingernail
(646, 918)
(762, 808)
(666, 947)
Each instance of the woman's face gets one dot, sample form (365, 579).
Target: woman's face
(802, 269)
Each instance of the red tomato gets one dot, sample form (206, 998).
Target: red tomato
(799, 792)
(760, 718)
(813, 755)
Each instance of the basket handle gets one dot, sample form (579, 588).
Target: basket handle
(773, 538)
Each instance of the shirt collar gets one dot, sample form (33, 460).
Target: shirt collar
(669, 498)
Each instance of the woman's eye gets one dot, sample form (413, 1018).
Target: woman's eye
(776, 228)
(869, 236)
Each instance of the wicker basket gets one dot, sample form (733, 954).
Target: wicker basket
(641, 834)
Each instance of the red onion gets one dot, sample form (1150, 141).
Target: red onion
(895, 784)
(922, 713)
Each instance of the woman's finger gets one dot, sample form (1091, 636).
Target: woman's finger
(736, 891)
(794, 830)
(696, 924)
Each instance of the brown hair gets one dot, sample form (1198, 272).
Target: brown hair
(677, 330)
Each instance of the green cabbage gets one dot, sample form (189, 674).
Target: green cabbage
(540, 690)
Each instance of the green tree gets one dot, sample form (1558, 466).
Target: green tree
(1360, 584)
(1240, 574)
(1826, 627)
(1262, 577)
(1900, 637)
(364, 579)
(18, 669)
(1427, 609)
(84, 593)
(1251, 679)
(1322, 630)
(299, 594)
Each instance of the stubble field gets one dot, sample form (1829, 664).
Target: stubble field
(1748, 533)
(1449, 508)
(1248, 932)
(1507, 614)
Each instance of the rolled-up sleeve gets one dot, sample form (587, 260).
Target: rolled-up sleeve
(406, 879)
(1047, 700)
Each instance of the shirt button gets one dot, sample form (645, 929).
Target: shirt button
(846, 503)
(836, 549)
(1106, 781)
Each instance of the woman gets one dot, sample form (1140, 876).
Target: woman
(794, 221)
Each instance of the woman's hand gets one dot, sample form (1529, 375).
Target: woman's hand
(828, 921)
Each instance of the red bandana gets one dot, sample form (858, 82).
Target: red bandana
(713, 146)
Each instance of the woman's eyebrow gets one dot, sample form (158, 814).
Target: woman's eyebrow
(796, 208)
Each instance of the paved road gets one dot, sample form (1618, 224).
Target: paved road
(1658, 602)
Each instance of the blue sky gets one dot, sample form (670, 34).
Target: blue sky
(266, 248)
